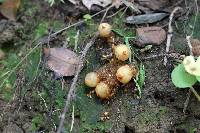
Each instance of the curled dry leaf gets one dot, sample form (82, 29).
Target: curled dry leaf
(195, 47)
(63, 62)
(9, 8)
(102, 3)
(150, 35)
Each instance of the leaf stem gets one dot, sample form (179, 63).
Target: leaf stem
(195, 93)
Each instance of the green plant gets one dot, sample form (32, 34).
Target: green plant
(36, 122)
(140, 78)
(186, 74)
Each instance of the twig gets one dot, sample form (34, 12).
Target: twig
(134, 6)
(73, 85)
(172, 55)
(72, 125)
(124, 12)
(195, 93)
(170, 32)
(107, 9)
(189, 44)
(115, 13)
(187, 101)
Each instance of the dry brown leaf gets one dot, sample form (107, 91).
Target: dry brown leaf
(102, 3)
(150, 35)
(9, 8)
(195, 47)
(63, 62)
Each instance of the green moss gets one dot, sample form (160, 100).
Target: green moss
(37, 122)
(162, 110)
(151, 116)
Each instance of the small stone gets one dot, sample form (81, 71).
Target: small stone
(2, 55)
(150, 35)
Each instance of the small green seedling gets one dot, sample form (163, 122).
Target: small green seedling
(140, 78)
(87, 17)
(186, 74)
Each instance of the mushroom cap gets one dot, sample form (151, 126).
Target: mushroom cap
(103, 90)
(124, 74)
(104, 30)
(122, 52)
(92, 79)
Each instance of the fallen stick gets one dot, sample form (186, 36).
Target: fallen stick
(72, 89)
(170, 32)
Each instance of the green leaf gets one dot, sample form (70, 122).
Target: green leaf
(41, 30)
(140, 79)
(87, 17)
(198, 78)
(181, 78)
(141, 75)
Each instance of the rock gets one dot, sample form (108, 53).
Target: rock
(150, 35)
(12, 128)
(2, 55)
(146, 18)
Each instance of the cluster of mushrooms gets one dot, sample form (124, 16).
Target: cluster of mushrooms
(107, 79)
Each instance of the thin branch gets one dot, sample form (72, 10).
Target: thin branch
(107, 9)
(171, 55)
(115, 13)
(170, 32)
(187, 101)
(73, 85)
(72, 124)
(195, 93)
(189, 44)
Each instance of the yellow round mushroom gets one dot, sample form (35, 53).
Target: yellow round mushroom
(124, 74)
(122, 52)
(104, 30)
(102, 90)
(92, 79)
